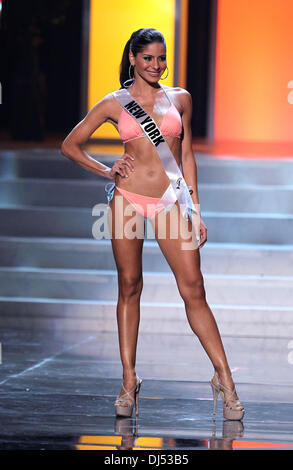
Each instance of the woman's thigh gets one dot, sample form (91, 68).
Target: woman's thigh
(127, 236)
(179, 247)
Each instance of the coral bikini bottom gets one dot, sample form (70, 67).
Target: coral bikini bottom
(145, 205)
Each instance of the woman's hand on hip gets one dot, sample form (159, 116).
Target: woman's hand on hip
(122, 166)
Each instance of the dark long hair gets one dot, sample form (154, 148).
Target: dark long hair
(138, 40)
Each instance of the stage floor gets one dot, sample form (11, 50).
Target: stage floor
(58, 388)
(58, 385)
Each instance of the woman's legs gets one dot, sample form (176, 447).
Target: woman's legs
(128, 258)
(185, 264)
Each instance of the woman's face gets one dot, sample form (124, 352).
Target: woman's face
(151, 62)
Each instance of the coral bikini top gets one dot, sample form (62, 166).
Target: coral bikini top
(171, 125)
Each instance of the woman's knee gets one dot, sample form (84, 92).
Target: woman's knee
(130, 284)
(192, 290)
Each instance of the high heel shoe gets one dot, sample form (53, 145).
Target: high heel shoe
(126, 410)
(234, 411)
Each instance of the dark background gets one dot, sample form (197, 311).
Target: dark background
(41, 50)
(198, 62)
(41, 57)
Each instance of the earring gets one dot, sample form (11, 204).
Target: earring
(131, 79)
(166, 75)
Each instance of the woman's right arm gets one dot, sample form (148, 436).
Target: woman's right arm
(71, 146)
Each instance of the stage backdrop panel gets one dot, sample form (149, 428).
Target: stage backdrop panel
(111, 25)
(254, 71)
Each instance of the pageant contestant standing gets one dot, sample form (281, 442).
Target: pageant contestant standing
(156, 178)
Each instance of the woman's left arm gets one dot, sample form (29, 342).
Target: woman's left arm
(189, 168)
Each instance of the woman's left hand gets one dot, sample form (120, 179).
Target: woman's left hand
(203, 233)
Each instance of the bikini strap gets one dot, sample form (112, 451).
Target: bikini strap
(109, 188)
(165, 91)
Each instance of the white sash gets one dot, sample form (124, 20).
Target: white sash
(178, 190)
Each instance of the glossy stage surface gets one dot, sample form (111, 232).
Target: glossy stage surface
(58, 390)
(61, 370)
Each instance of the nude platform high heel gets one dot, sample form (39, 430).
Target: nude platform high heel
(126, 410)
(234, 411)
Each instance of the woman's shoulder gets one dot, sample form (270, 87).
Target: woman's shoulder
(179, 95)
(107, 103)
(176, 90)
(108, 99)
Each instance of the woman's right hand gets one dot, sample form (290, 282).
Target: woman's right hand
(121, 166)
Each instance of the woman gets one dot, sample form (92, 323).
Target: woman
(140, 181)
